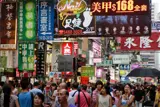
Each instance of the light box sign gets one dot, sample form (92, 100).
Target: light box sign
(46, 20)
(114, 7)
(71, 7)
(8, 23)
(75, 25)
(67, 48)
(123, 25)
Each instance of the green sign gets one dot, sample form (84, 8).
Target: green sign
(105, 63)
(26, 56)
(27, 20)
(87, 71)
(3, 63)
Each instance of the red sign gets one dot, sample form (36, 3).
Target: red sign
(67, 48)
(84, 80)
(141, 43)
(75, 49)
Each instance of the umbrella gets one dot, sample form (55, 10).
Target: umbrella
(144, 72)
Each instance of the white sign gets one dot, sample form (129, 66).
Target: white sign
(121, 59)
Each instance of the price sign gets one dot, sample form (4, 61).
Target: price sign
(114, 7)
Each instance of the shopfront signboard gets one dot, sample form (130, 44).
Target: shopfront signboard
(8, 25)
(26, 56)
(121, 59)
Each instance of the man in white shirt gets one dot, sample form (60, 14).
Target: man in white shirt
(74, 90)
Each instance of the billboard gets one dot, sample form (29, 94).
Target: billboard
(123, 25)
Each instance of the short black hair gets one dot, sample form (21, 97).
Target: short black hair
(24, 83)
(75, 85)
(84, 87)
(40, 95)
(99, 83)
(36, 84)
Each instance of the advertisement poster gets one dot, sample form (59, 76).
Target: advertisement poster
(26, 56)
(8, 23)
(126, 25)
(41, 56)
(141, 43)
(27, 20)
(46, 20)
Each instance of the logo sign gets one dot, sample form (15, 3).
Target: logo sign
(126, 25)
(41, 58)
(124, 67)
(26, 56)
(71, 7)
(46, 20)
(8, 26)
(121, 59)
(67, 48)
(114, 7)
(141, 43)
(76, 25)
(27, 20)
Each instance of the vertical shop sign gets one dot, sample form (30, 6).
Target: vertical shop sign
(67, 48)
(46, 20)
(27, 20)
(8, 25)
(41, 57)
(26, 56)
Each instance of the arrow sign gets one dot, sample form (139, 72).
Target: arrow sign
(46, 33)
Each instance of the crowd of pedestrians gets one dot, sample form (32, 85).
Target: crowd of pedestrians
(63, 94)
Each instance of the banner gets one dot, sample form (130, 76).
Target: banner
(26, 56)
(27, 20)
(41, 56)
(46, 20)
(8, 24)
(88, 71)
(141, 43)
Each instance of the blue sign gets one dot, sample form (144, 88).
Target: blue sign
(46, 20)
(155, 25)
(124, 67)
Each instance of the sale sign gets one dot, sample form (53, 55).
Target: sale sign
(141, 43)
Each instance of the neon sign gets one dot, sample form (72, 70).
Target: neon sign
(71, 7)
(114, 7)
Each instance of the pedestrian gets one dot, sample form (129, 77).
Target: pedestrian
(63, 98)
(157, 97)
(127, 99)
(74, 91)
(104, 99)
(7, 99)
(38, 100)
(83, 98)
(139, 96)
(25, 97)
(36, 89)
(117, 96)
(96, 92)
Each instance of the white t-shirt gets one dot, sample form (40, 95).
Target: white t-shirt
(72, 92)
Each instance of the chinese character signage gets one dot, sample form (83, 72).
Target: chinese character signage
(26, 56)
(67, 48)
(141, 43)
(41, 56)
(27, 20)
(126, 25)
(71, 7)
(8, 25)
(80, 24)
(114, 7)
(46, 20)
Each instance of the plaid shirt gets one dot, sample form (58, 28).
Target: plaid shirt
(94, 97)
